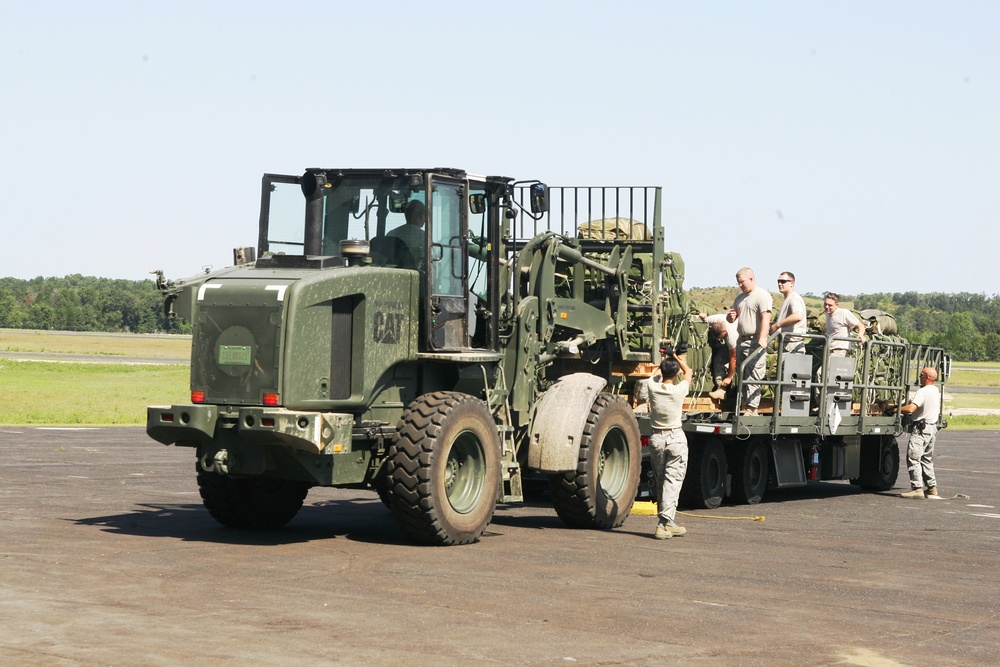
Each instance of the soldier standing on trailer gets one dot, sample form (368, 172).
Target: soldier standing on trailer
(668, 444)
(839, 322)
(723, 339)
(752, 313)
(792, 316)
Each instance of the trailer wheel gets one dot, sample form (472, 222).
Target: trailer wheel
(879, 463)
(705, 481)
(600, 492)
(444, 469)
(749, 470)
(254, 502)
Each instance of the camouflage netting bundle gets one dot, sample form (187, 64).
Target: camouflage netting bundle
(614, 229)
(879, 322)
(886, 360)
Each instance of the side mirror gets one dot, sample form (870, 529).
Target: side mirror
(241, 256)
(477, 204)
(397, 202)
(539, 197)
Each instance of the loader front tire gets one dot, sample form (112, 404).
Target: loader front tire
(600, 492)
(444, 469)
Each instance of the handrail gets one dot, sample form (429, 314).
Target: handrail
(865, 388)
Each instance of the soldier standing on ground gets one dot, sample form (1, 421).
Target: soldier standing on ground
(668, 445)
(792, 316)
(924, 408)
(752, 313)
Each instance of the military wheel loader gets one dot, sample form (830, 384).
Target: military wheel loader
(437, 359)
(443, 339)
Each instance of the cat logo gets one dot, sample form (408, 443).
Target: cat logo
(387, 328)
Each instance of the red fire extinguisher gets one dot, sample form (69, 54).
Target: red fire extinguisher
(814, 465)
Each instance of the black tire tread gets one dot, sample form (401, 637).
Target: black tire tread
(251, 503)
(743, 491)
(408, 468)
(695, 493)
(576, 503)
(872, 477)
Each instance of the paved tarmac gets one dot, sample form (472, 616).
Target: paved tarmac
(108, 558)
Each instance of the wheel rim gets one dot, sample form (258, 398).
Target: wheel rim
(886, 463)
(613, 468)
(464, 472)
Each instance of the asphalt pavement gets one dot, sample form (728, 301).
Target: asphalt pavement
(109, 558)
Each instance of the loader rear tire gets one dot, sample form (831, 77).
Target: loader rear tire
(444, 469)
(600, 492)
(254, 503)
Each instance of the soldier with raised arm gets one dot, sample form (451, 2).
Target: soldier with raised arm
(668, 449)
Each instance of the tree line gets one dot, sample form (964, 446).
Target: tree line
(85, 303)
(965, 324)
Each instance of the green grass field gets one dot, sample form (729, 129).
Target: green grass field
(974, 378)
(101, 394)
(39, 393)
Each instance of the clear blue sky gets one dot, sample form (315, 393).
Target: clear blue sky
(854, 143)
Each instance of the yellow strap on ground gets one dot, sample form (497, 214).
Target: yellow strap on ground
(649, 509)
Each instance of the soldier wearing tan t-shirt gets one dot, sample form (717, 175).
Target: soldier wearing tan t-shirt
(752, 313)
(792, 316)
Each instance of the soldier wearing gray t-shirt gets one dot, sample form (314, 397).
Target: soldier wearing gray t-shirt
(668, 449)
(924, 409)
(792, 316)
(839, 322)
(752, 313)
(723, 339)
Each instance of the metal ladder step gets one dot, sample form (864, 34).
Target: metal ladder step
(510, 474)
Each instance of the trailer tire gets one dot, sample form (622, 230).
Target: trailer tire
(444, 469)
(600, 492)
(749, 470)
(254, 503)
(879, 463)
(705, 481)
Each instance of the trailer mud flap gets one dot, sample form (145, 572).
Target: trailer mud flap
(789, 469)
